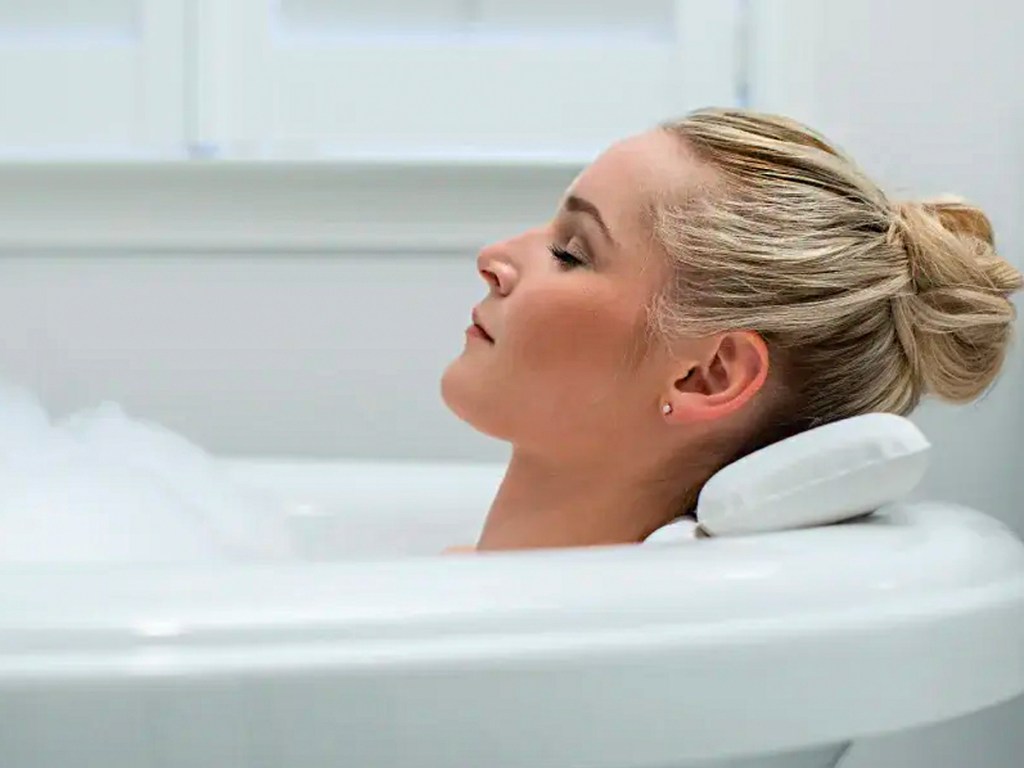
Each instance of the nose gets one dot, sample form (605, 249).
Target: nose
(496, 268)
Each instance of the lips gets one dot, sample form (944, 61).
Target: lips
(480, 326)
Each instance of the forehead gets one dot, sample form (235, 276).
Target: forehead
(631, 174)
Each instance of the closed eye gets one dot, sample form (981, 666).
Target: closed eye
(566, 259)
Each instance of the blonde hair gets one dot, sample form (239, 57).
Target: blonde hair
(865, 304)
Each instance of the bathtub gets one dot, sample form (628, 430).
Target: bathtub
(773, 650)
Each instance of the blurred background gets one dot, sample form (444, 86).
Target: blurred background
(255, 222)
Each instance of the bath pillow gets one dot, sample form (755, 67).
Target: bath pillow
(825, 475)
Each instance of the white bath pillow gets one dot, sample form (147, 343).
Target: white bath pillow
(824, 475)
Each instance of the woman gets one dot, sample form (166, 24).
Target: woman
(703, 290)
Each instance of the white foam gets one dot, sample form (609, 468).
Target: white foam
(100, 486)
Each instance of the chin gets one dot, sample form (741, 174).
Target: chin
(461, 392)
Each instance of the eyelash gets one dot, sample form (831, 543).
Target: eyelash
(566, 259)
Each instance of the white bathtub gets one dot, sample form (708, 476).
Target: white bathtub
(775, 650)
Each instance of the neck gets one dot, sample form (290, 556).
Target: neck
(549, 504)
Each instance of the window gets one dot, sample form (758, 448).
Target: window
(508, 78)
(328, 125)
(91, 77)
(349, 79)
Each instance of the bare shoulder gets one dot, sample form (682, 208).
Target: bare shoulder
(461, 549)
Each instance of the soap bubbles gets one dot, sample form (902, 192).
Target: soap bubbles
(99, 486)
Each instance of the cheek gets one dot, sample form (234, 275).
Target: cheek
(578, 340)
(565, 354)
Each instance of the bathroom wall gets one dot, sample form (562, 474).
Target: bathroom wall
(314, 318)
(308, 354)
(927, 96)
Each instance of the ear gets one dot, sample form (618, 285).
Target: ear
(726, 373)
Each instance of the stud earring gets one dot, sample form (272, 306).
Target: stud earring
(666, 408)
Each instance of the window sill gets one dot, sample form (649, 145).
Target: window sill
(359, 204)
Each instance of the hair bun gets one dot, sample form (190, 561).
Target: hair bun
(955, 320)
(960, 218)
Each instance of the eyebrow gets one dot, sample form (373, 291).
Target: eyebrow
(576, 204)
